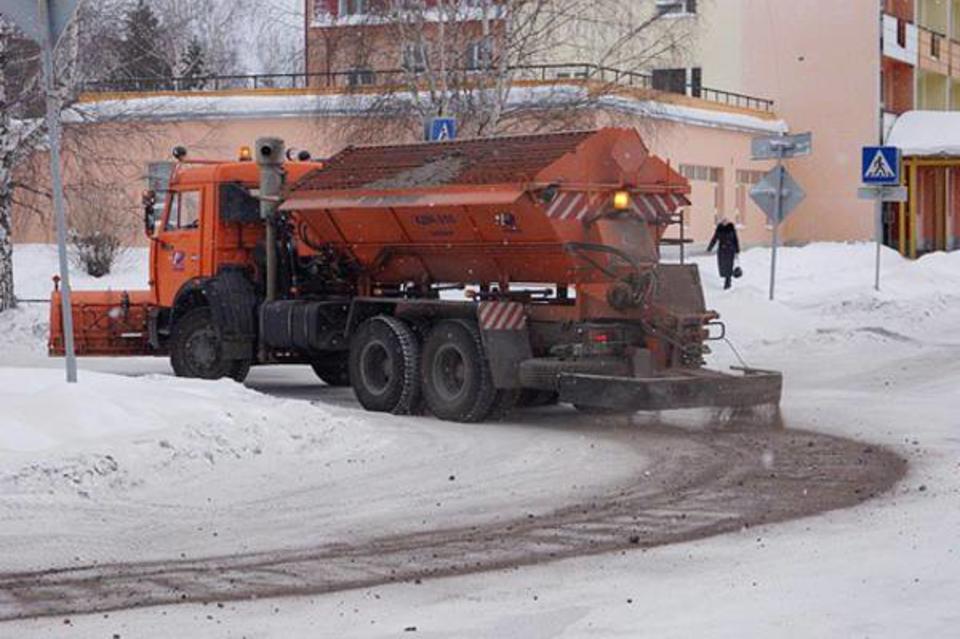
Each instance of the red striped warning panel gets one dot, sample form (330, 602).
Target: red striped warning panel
(572, 205)
(654, 208)
(578, 206)
(502, 316)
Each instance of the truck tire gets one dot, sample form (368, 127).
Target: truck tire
(195, 349)
(385, 366)
(457, 384)
(333, 370)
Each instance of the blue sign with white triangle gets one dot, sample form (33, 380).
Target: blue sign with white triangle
(881, 165)
(441, 129)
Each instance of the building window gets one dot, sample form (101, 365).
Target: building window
(745, 180)
(360, 77)
(352, 7)
(700, 173)
(696, 81)
(670, 80)
(480, 55)
(901, 33)
(677, 7)
(935, 46)
(712, 175)
(415, 57)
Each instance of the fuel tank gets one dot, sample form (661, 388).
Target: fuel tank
(577, 207)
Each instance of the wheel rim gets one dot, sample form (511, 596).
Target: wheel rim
(203, 348)
(450, 372)
(376, 367)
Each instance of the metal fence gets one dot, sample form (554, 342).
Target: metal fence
(366, 78)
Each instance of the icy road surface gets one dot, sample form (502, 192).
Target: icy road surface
(880, 368)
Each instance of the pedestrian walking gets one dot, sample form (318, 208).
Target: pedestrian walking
(728, 247)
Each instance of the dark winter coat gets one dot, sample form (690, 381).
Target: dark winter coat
(729, 246)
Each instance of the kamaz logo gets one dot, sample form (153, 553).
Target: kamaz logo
(445, 219)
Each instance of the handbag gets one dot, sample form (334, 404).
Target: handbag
(737, 271)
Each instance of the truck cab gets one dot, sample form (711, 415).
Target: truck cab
(203, 220)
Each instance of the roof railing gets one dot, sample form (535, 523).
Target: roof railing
(355, 79)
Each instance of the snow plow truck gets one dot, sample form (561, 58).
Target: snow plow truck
(457, 278)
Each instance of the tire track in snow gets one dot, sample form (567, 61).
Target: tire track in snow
(700, 484)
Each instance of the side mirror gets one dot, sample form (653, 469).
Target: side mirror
(149, 212)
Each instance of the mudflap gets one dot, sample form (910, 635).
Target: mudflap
(674, 390)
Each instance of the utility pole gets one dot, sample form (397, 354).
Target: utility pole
(44, 21)
(56, 173)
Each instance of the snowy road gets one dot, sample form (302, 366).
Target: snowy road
(697, 485)
(883, 369)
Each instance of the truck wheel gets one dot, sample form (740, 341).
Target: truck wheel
(333, 370)
(385, 366)
(196, 349)
(457, 384)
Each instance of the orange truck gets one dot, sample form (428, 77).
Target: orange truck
(459, 278)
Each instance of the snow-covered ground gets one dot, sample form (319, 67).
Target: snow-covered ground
(880, 367)
(145, 456)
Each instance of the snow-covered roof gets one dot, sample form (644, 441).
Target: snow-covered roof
(927, 133)
(200, 106)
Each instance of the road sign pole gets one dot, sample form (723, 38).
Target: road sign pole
(881, 176)
(53, 132)
(778, 194)
(776, 224)
(878, 210)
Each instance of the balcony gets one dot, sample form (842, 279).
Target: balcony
(901, 40)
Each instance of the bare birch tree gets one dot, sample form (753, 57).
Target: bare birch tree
(18, 136)
(493, 64)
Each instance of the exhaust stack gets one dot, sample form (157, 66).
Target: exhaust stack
(270, 156)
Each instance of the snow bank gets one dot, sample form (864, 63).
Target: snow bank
(829, 286)
(118, 432)
(41, 411)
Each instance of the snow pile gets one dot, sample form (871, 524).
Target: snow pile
(826, 290)
(121, 430)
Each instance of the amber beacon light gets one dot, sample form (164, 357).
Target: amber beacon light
(621, 200)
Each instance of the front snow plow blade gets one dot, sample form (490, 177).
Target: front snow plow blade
(674, 390)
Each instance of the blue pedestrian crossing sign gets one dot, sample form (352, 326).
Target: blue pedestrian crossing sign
(441, 129)
(881, 165)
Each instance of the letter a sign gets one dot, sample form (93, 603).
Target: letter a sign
(881, 165)
(441, 129)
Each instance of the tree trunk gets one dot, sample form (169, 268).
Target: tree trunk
(7, 299)
(7, 144)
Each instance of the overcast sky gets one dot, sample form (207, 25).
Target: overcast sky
(288, 16)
